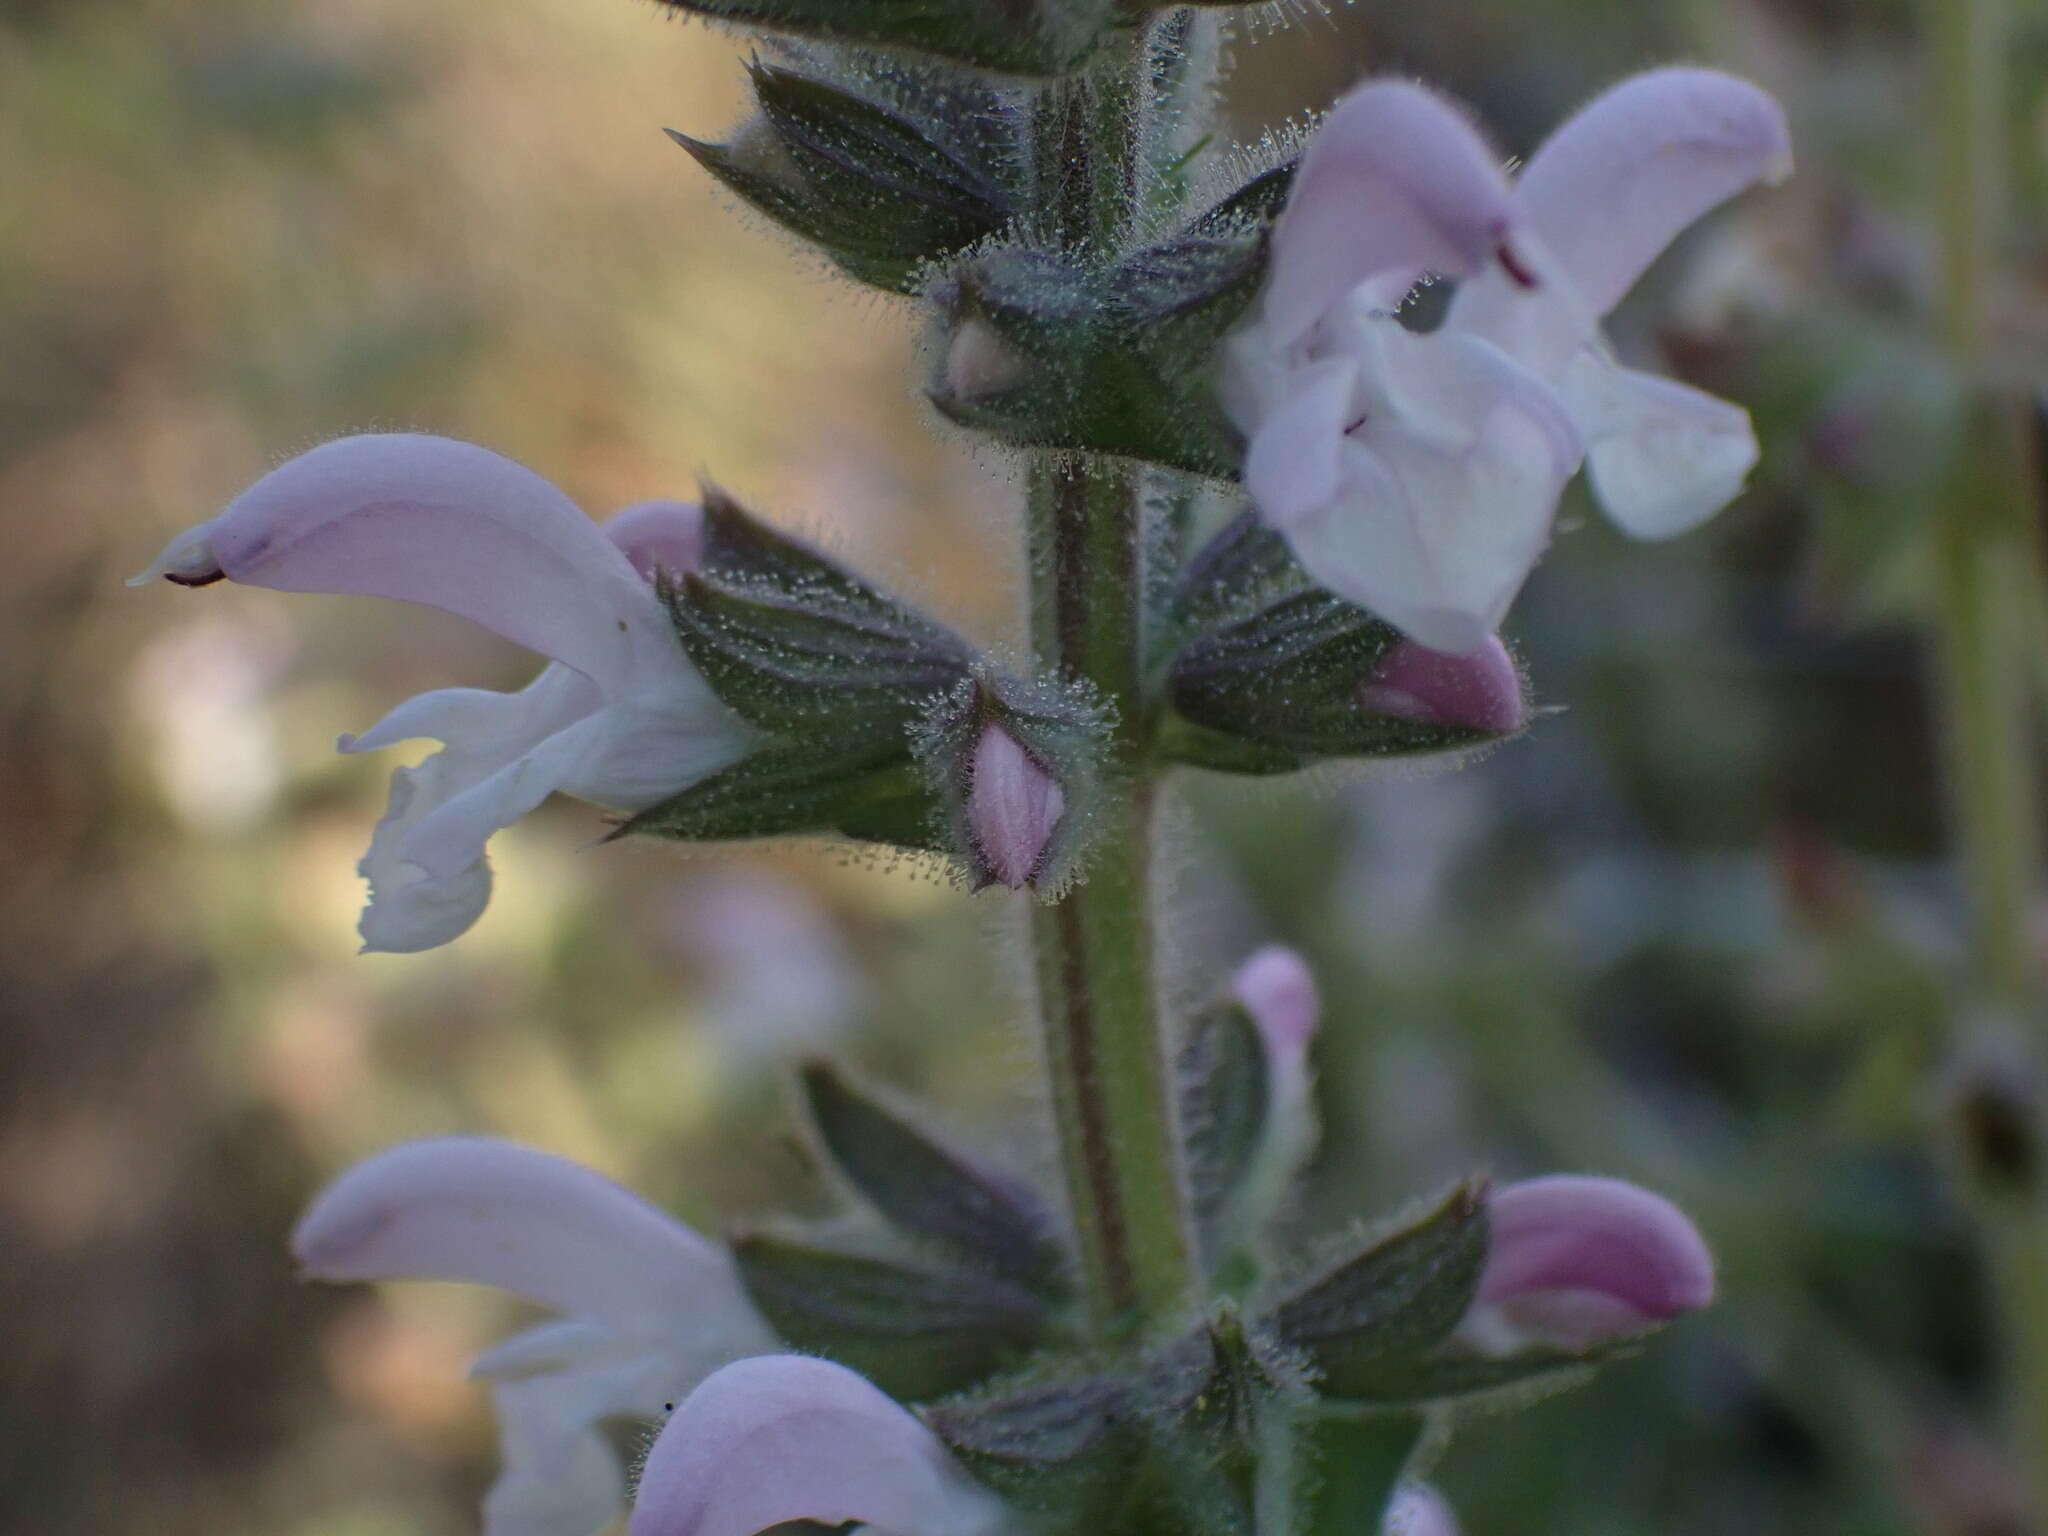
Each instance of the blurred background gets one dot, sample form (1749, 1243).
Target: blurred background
(1696, 928)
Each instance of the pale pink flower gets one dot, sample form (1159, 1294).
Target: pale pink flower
(648, 1307)
(1418, 474)
(780, 1438)
(619, 717)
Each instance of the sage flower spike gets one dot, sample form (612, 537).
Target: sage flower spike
(619, 717)
(1418, 474)
(1575, 1261)
(783, 1438)
(648, 1308)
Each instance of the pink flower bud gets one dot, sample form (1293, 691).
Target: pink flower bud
(1013, 808)
(1419, 1510)
(1276, 989)
(1480, 692)
(659, 538)
(1575, 1261)
(980, 363)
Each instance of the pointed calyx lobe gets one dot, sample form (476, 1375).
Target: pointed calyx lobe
(977, 1213)
(883, 181)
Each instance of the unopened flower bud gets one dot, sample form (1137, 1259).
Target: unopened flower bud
(1013, 808)
(980, 363)
(1576, 1261)
(1480, 691)
(1278, 991)
(1419, 1510)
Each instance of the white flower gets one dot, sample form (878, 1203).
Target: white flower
(619, 717)
(780, 1438)
(648, 1307)
(1418, 474)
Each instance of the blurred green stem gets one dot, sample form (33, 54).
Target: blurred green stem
(1098, 995)
(1981, 542)
(1985, 591)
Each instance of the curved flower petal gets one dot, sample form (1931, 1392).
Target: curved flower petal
(1626, 174)
(560, 1476)
(1662, 456)
(779, 1438)
(495, 1213)
(1447, 489)
(411, 906)
(659, 537)
(1295, 460)
(1582, 1259)
(410, 910)
(1395, 183)
(443, 523)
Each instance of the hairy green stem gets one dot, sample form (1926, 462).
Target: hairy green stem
(1983, 599)
(1105, 1040)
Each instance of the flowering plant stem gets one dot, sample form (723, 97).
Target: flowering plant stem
(1982, 564)
(1105, 1045)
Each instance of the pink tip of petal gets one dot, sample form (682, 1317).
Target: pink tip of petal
(1481, 691)
(659, 537)
(1013, 807)
(1598, 1237)
(1277, 989)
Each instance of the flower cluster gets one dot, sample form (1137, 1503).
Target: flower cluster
(1418, 473)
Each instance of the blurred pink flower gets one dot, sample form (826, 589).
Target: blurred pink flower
(1418, 474)
(1575, 1261)
(648, 1307)
(619, 717)
(780, 1438)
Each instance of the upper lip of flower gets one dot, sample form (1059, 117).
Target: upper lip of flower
(621, 717)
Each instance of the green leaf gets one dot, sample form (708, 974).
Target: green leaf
(1225, 1095)
(1377, 1310)
(916, 1331)
(930, 1190)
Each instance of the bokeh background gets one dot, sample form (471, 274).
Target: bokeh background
(1695, 928)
